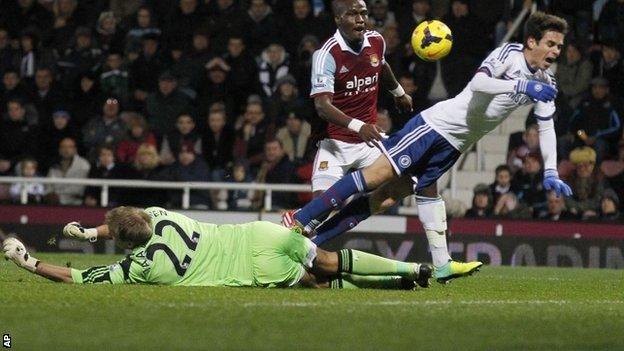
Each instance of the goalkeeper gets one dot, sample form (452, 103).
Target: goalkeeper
(169, 248)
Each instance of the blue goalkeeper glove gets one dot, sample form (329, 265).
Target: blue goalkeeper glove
(536, 90)
(552, 182)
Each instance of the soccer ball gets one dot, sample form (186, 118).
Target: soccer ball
(432, 40)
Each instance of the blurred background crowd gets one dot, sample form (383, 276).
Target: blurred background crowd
(217, 90)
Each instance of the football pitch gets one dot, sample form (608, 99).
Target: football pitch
(497, 309)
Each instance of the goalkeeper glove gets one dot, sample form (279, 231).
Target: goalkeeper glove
(536, 90)
(77, 231)
(552, 182)
(15, 251)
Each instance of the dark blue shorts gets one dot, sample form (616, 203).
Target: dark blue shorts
(419, 151)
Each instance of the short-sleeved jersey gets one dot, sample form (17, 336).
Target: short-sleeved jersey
(182, 251)
(470, 115)
(352, 78)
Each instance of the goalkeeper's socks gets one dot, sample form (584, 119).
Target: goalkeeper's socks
(353, 281)
(353, 213)
(363, 263)
(331, 199)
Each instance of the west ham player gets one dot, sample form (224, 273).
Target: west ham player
(169, 248)
(431, 142)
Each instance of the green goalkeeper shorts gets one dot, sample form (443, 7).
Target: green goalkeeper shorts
(279, 255)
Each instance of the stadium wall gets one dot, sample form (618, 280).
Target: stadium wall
(497, 242)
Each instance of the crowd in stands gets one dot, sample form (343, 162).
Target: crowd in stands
(217, 90)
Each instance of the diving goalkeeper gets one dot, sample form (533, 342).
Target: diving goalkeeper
(169, 248)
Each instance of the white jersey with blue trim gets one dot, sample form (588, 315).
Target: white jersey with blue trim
(470, 115)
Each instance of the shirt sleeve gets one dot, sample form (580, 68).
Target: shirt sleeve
(545, 110)
(126, 271)
(498, 61)
(323, 70)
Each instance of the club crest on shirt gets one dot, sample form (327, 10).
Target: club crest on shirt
(405, 161)
(323, 165)
(374, 60)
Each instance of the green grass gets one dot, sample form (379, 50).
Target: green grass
(499, 308)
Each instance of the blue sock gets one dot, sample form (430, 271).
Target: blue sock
(353, 213)
(333, 198)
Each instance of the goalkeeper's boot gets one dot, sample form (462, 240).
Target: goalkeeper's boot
(425, 272)
(453, 269)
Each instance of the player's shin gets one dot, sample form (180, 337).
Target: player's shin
(363, 263)
(432, 214)
(353, 281)
(332, 199)
(353, 213)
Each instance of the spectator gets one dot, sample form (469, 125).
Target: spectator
(69, 165)
(106, 168)
(217, 144)
(303, 68)
(481, 202)
(294, 137)
(610, 206)
(46, 96)
(384, 121)
(609, 24)
(556, 209)
(585, 183)
(60, 128)
(142, 24)
(239, 200)
(277, 169)
(508, 206)
(34, 191)
(65, 23)
(108, 34)
(32, 56)
(529, 144)
(137, 133)
(87, 99)
(216, 87)
(183, 21)
(165, 105)
(611, 66)
(12, 88)
(8, 54)
(253, 133)
(145, 70)
(104, 129)
(199, 55)
(380, 17)
(125, 8)
(614, 170)
(147, 167)
(420, 10)
(595, 123)
(227, 19)
(528, 183)
(114, 80)
(81, 57)
(184, 136)
(573, 75)
(274, 64)
(297, 25)
(27, 14)
(285, 100)
(18, 139)
(502, 183)
(190, 168)
(261, 26)
(243, 72)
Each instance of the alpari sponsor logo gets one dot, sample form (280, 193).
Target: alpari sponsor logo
(361, 85)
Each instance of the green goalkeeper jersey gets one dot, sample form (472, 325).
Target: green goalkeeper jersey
(182, 251)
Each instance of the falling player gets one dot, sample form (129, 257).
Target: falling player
(431, 142)
(171, 249)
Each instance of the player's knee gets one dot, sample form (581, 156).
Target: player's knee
(375, 176)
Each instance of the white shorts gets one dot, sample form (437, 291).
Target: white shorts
(336, 158)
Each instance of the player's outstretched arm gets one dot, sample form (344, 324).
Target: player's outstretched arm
(77, 231)
(15, 251)
(401, 99)
(538, 91)
(548, 147)
(369, 133)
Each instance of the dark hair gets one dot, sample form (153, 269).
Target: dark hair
(540, 22)
(501, 168)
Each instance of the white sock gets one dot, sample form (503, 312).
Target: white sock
(432, 214)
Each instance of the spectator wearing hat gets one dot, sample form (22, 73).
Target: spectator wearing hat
(595, 123)
(165, 105)
(585, 182)
(114, 79)
(61, 127)
(145, 70)
(481, 202)
(556, 209)
(610, 206)
(573, 76)
(274, 64)
(18, 139)
(104, 129)
(261, 26)
(527, 183)
(284, 100)
(294, 137)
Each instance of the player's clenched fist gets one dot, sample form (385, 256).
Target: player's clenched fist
(15, 251)
(77, 231)
(370, 134)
